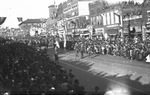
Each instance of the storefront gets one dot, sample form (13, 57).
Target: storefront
(135, 21)
(99, 32)
(112, 30)
(84, 32)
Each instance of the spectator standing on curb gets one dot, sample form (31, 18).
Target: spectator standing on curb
(76, 47)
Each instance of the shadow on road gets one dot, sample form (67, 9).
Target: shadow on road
(103, 79)
(135, 87)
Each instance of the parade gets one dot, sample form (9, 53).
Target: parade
(83, 47)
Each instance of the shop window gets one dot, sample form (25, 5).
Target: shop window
(97, 20)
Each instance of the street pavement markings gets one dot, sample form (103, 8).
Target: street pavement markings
(101, 76)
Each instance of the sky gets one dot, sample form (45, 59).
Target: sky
(29, 9)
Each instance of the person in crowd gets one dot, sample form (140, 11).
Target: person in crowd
(71, 76)
(82, 50)
(76, 48)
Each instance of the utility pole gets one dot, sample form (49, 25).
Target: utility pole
(129, 32)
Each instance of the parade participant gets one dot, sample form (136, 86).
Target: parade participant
(82, 50)
(76, 48)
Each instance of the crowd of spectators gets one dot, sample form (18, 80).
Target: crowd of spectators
(135, 49)
(25, 69)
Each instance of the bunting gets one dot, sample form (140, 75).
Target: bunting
(2, 20)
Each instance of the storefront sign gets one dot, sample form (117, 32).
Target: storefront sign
(99, 30)
(132, 18)
(112, 31)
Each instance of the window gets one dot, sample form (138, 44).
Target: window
(94, 20)
(98, 20)
(104, 19)
(91, 21)
(112, 17)
(148, 15)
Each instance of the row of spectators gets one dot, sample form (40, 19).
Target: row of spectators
(135, 49)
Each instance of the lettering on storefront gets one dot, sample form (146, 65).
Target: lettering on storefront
(132, 18)
(99, 30)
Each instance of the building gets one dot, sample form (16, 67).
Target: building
(115, 19)
(146, 17)
(76, 14)
(105, 18)
(132, 17)
(51, 22)
(96, 10)
(33, 26)
(60, 19)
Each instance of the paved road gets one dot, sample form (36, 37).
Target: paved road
(105, 71)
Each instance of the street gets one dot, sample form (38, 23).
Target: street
(108, 71)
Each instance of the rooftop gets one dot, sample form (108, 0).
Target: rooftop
(33, 21)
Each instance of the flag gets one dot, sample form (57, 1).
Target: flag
(19, 19)
(2, 20)
(57, 44)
